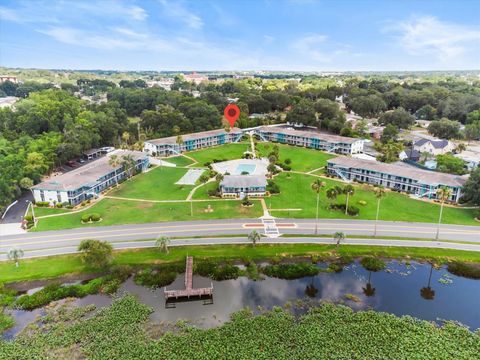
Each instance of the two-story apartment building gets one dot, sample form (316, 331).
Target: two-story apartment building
(311, 139)
(175, 145)
(87, 181)
(243, 185)
(421, 183)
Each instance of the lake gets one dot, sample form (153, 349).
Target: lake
(400, 289)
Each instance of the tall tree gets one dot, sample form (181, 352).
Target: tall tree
(348, 190)
(317, 186)
(443, 194)
(162, 243)
(379, 194)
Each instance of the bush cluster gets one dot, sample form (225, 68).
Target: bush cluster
(216, 271)
(464, 270)
(94, 217)
(158, 276)
(371, 263)
(352, 210)
(272, 187)
(107, 284)
(291, 271)
(42, 203)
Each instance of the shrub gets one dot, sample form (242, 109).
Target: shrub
(247, 202)
(85, 218)
(214, 192)
(288, 161)
(28, 217)
(371, 263)
(59, 205)
(217, 272)
(290, 271)
(353, 210)
(464, 270)
(69, 206)
(95, 217)
(42, 203)
(272, 188)
(157, 276)
(362, 202)
(96, 253)
(285, 167)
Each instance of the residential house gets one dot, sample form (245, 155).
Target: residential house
(434, 147)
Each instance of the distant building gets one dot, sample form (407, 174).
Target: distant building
(421, 183)
(471, 158)
(240, 186)
(4, 78)
(86, 181)
(195, 77)
(311, 139)
(410, 154)
(434, 147)
(175, 145)
(164, 83)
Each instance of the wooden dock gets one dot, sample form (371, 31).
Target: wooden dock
(189, 290)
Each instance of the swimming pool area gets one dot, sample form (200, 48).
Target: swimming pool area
(236, 167)
(245, 168)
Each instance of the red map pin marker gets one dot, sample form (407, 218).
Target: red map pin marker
(231, 112)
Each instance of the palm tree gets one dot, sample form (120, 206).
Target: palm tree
(369, 290)
(427, 292)
(114, 162)
(331, 195)
(129, 164)
(460, 147)
(317, 186)
(15, 255)
(179, 142)
(254, 237)
(443, 194)
(338, 237)
(379, 193)
(348, 190)
(162, 243)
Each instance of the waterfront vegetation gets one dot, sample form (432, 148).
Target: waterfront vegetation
(55, 266)
(471, 271)
(291, 271)
(120, 331)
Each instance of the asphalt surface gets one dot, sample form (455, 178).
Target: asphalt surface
(121, 236)
(16, 212)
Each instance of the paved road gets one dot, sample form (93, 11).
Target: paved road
(54, 242)
(16, 212)
(243, 240)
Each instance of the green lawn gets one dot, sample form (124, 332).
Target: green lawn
(54, 266)
(157, 184)
(223, 152)
(178, 160)
(42, 211)
(303, 159)
(296, 193)
(114, 212)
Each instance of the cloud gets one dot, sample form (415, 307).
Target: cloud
(428, 35)
(178, 12)
(268, 39)
(308, 46)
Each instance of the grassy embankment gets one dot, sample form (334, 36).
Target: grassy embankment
(54, 266)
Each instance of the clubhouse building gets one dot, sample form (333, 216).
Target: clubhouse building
(239, 186)
(88, 180)
(421, 183)
(311, 139)
(175, 145)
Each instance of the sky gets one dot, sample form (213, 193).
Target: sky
(205, 35)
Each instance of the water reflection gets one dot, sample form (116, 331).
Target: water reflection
(394, 290)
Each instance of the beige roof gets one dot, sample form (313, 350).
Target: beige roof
(422, 176)
(309, 134)
(243, 181)
(87, 174)
(193, 136)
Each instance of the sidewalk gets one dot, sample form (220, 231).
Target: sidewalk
(11, 229)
